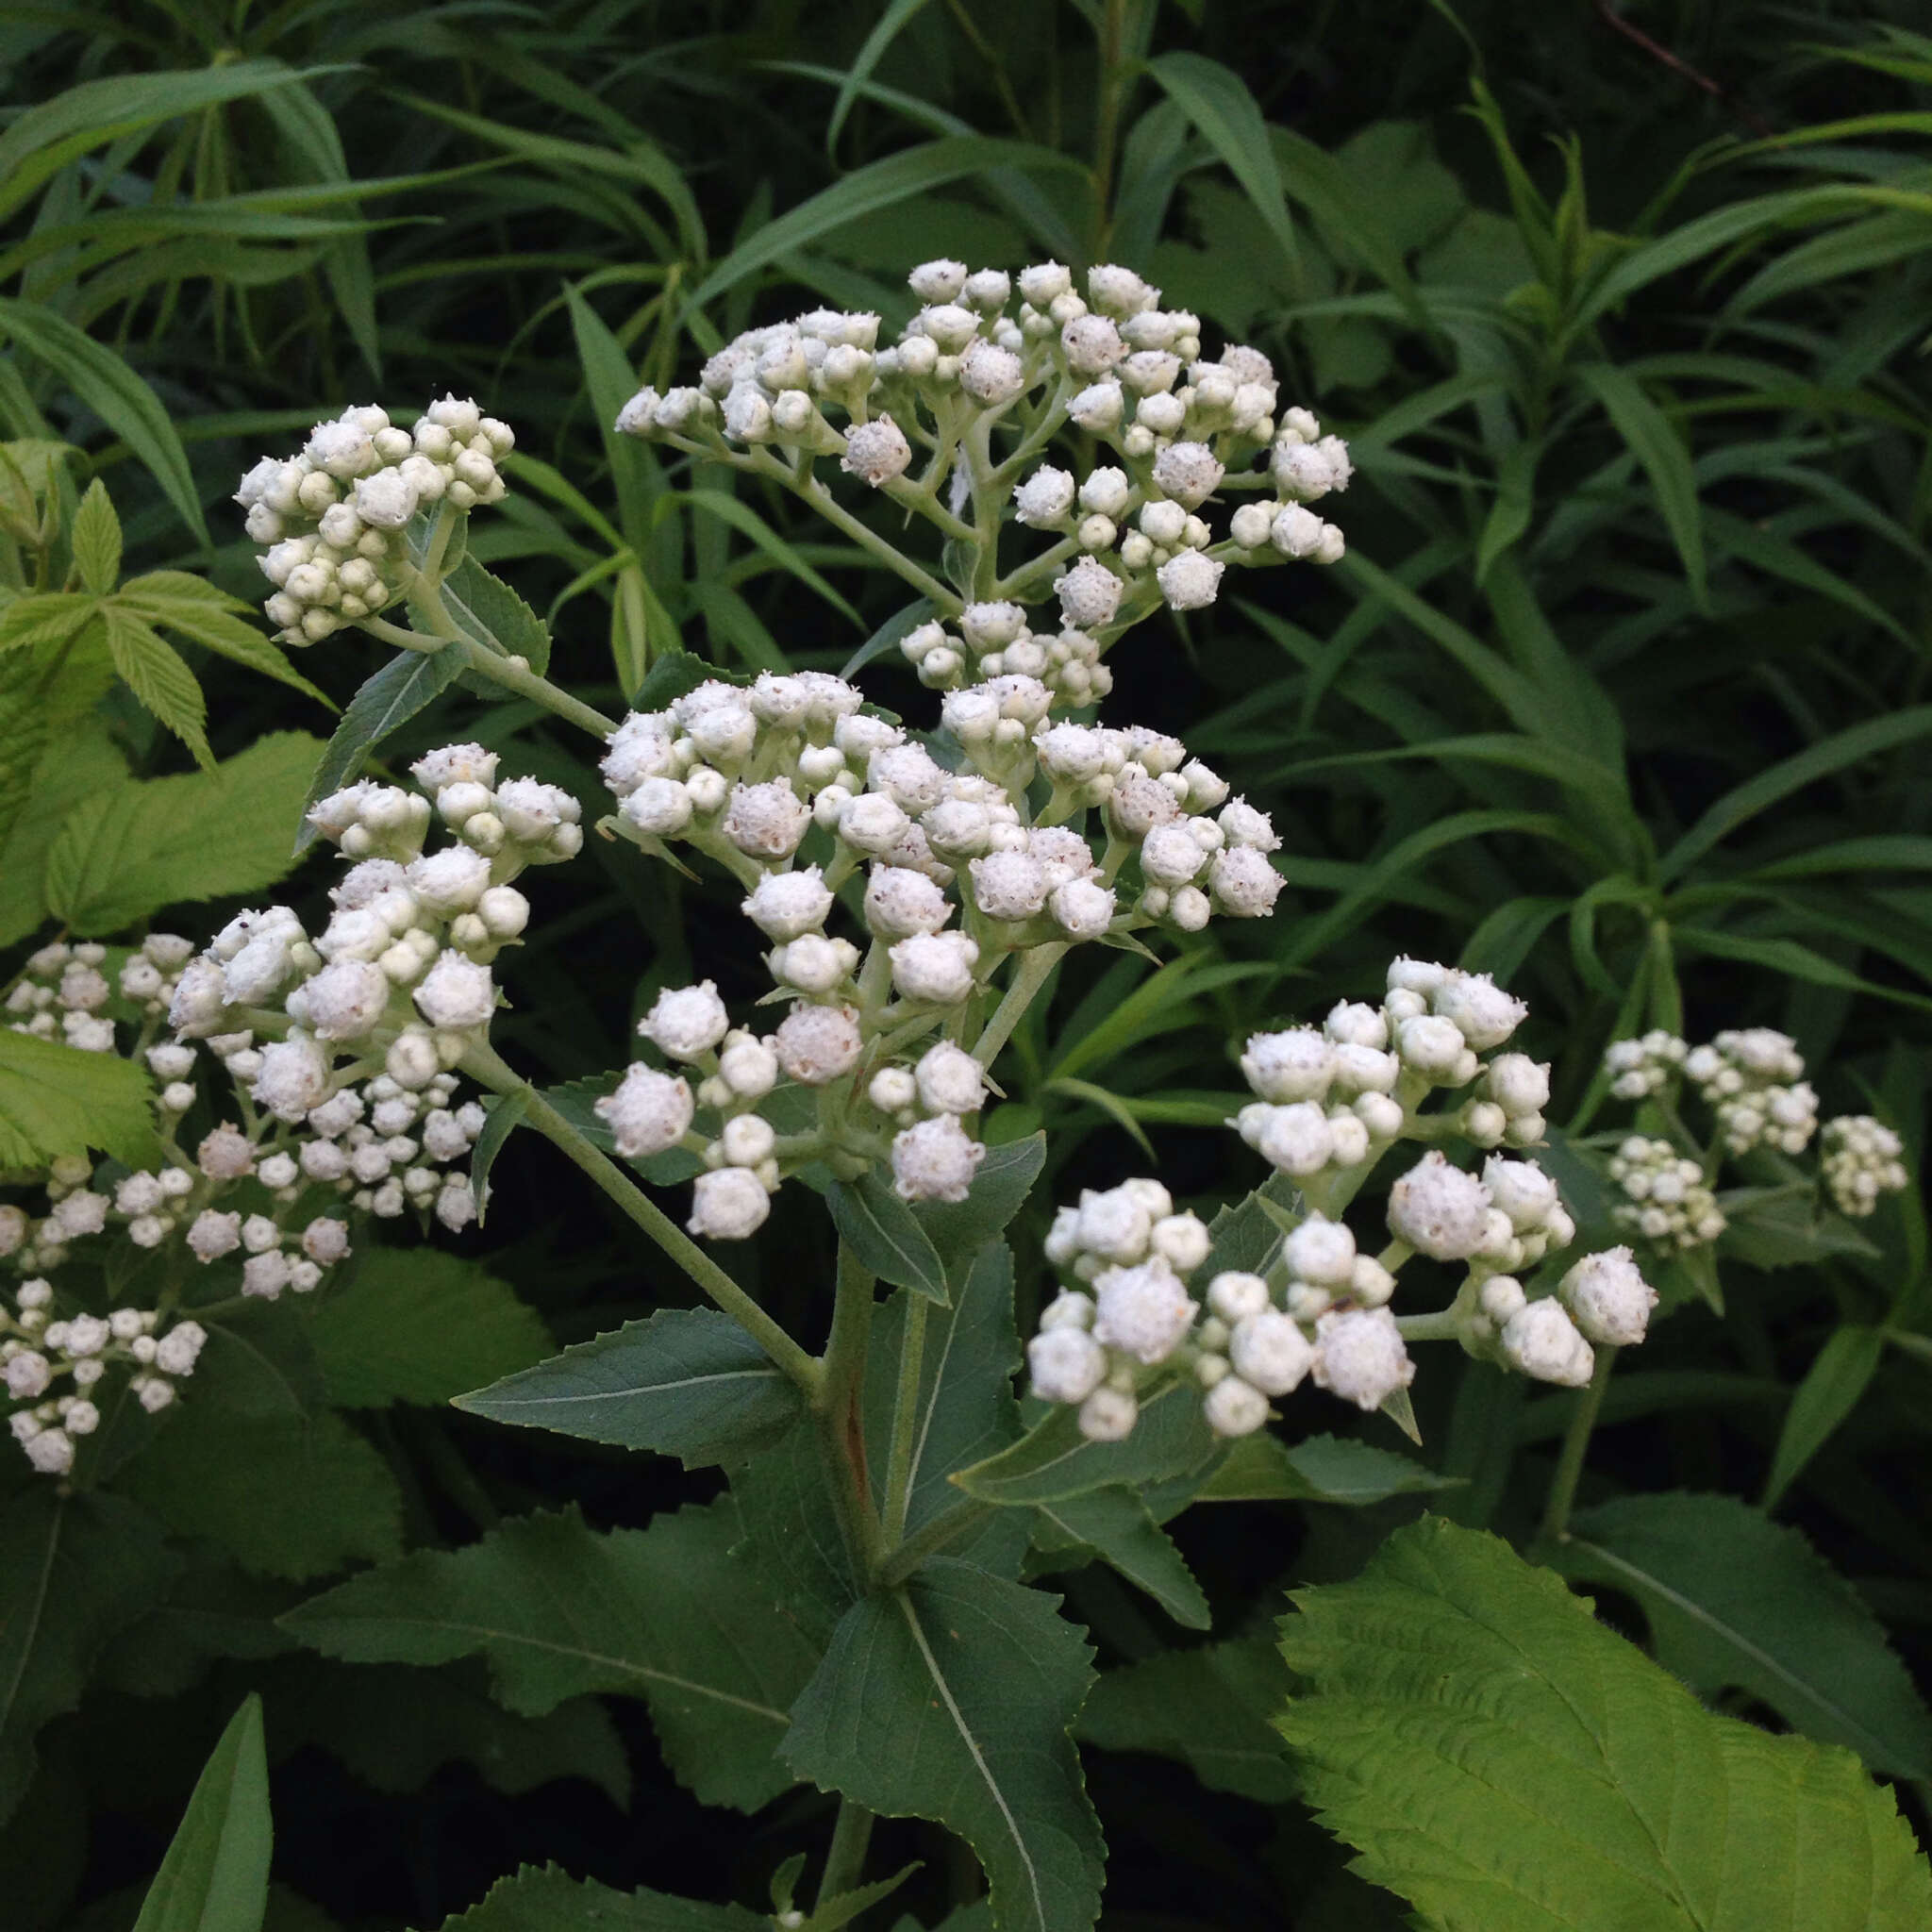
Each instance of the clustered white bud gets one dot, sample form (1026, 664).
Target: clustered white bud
(1669, 1200)
(1861, 1158)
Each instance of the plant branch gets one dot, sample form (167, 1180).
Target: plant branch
(905, 1420)
(1555, 1524)
(1034, 970)
(928, 1542)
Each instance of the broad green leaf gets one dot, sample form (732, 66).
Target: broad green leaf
(685, 1382)
(792, 1535)
(1210, 1706)
(47, 698)
(548, 1900)
(670, 1614)
(75, 1570)
(153, 672)
(131, 849)
(97, 537)
(1217, 101)
(486, 609)
(1317, 1469)
(417, 1324)
(387, 701)
(1115, 1525)
(1503, 1761)
(285, 1495)
(952, 1699)
(84, 761)
(56, 1099)
(174, 600)
(1053, 1460)
(112, 390)
(214, 1877)
(1738, 1602)
(959, 1229)
(885, 1237)
(1833, 1386)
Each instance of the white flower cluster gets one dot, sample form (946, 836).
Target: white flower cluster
(1112, 366)
(1670, 1199)
(39, 1350)
(1755, 1081)
(62, 989)
(1330, 1099)
(796, 789)
(332, 517)
(1860, 1160)
(1638, 1068)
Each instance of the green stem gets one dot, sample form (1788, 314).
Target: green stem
(1034, 969)
(845, 1855)
(514, 674)
(1442, 1326)
(488, 1068)
(905, 1420)
(928, 1542)
(1575, 1447)
(837, 1403)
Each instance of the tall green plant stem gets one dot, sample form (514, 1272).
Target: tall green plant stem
(484, 1065)
(905, 1420)
(1034, 969)
(1575, 1447)
(838, 1404)
(845, 1855)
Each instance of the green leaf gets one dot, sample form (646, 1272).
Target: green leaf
(54, 1100)
(417, 1324)
(880, 1230)
(155, 675)
(506, 1111)
(548, 1900)
(1318, 1468)
(1211, 1708)
(1506, 1764)
(50, 617)
(214, 1877)
(48, 693)
(1115, 1525)
(486, 609)
(96, 536)
(131, 849)
(900, 624)
(1217, 101)
(1053, 1460)
(112, 389)
(951, 1700)
(1736, 1601)
(1666, 461)
(387, 701)
(685, 1382)
(893, 23)
(174, 600)
(1833, 1386)
(959, 1229)
(792, 1535)
(84, 761)
(285, 1495)
(671, 1614)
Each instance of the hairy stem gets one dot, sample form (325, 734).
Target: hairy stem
(905, 1420)
(928, 1542)
(1034, 969)
(483, 1064)
(1556, 1525)
(838, 1404)
(845, 1855)
(514, 674)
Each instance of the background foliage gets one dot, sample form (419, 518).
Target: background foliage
(1621, 694)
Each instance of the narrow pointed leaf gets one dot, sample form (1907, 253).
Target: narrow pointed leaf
(214, 1877)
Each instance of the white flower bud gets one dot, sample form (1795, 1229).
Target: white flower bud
(1297, 1139)
(1092, 344)
(1242, 884)
(1609, 1298)
(935, 1161)
(649, 1112)
(1066, 1364)
(950, 1080)
(936, 281)
(1486, 1015)
(457, 994)
(1045, 499)
(685, 1022)
(746, 1141)
(1438, 1210)
(1081, 908)
(1089, 595)
(1190, 581)
(936, 968)
(1320, 1251)
(1108, 1415)
(786, 905)
(876, 452)
(1360, 1356)
(729, 1203)
(1298, 1064)
(1270, 1352)
(1518, 1084)
(748, 1067)
(819, 1044)
(1542, 1340)
(1143, 1311)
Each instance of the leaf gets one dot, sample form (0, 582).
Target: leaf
(155, 675)
(685, 1382)
(1833, 1386)
(548, 1900)
(84, 761)
(1217, 101)
(417, 1324)
(1506, 1764)
(75, 1570)
(506, 1111)
(952, 1699)
(893, 22)
(214, 1877)
(387, 701)
(1318, 1468)
(900, 624)
(489, 610)
(97, 537)
(56, 1099)
(174, 600)
(1053, 1460)
(50, 617)
(792, 1533)
(285, 1495)
(132, 848)
(1210, 1706)
(48, 693)
(884, 1237)
(110, 388)
(1115, 1524)
(1738, 1602)
(1666, 460)
(958, 1229)
(671, 1614)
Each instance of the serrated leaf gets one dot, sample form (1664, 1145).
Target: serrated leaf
(97, 538)
(671, 1614)
(132, 848)
(1506, 1764)
(1054, 1459)
(292, 1496)
(551, 1901)
(881, 1232)
(417, 1324)
(1211, 1707)
(55, 1099)
(791, 1532)
(49, 617)
(1318, 1468)
(83, 762)
(952, 1699)
(387, 701)
(958, 1229)
(155, 675)
(1115, 1525)
(47, 696)
(685, 1382)
(1737, 1602)
(214, 1877)
(486, 609)
(174, 600)
(73, 1571)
